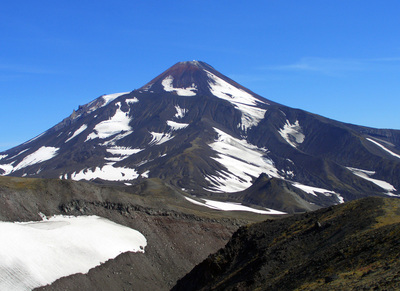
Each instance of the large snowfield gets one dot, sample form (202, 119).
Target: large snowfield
(37, 253)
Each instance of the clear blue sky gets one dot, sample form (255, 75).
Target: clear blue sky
(340, 59)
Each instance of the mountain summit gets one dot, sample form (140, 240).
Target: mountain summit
(207, 136)
(190, 78)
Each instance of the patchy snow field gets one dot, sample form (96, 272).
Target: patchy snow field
(176, 125)
(243, 101)
(292, 133)
(118, 123)
(180, 112)
(108, 173)
(168, 86)
(37, 253)
(160, 138)
(42, 154)
(77, 132)
(243, 162)
(230, 206)
(315, 191)
(365, 174)
(385, 149)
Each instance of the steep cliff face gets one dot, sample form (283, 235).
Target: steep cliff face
(355, 245)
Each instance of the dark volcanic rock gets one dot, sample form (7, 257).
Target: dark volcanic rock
(351, 246)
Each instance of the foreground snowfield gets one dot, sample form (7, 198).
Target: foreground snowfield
(34, 254)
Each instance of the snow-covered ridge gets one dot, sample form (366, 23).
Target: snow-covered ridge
(3, 156)
(292, 133)
(37, 253)
(168, 86)
(230, 206)
(243, 101)
(42, 154)
(243, 163)
(385, 149)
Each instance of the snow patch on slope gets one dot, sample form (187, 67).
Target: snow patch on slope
(132, 100)
(292, 133)
(108, 173)
(121, 153)
(385, 149)
(243, 101)
(116, 124)
(176, 125)
(160, 138)
(168, 86)
(111, 97)
(315, 191)
(39, 252)
(77, 132)
(42, 154)
(365, 174)
(180, 112)
(230, 206)
(243, 163)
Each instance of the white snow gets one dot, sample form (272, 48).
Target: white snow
(168, 86)
(292, 133)
(21, 152)
(180, 112)
(116, 138)
(42, 154)
(315, 190)
(243, 101)
(159, 138)
(118, 123)
(132, 100)
(230, 206)
(108, 173)
(36, 253)
(145, 174)
(7, 168)
(77, 132)
(176, 125)
(123, 151)
(111, 97)
(385, 149)
(243, 162)
(365, 174)
(3, 156)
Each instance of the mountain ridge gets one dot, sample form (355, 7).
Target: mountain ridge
(198, 130)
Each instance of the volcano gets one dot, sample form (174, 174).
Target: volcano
(213, 139)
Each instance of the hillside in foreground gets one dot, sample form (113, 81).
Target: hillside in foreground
(353, 246)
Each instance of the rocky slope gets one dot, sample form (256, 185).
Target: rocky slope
(354, 246)
(179, 234)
